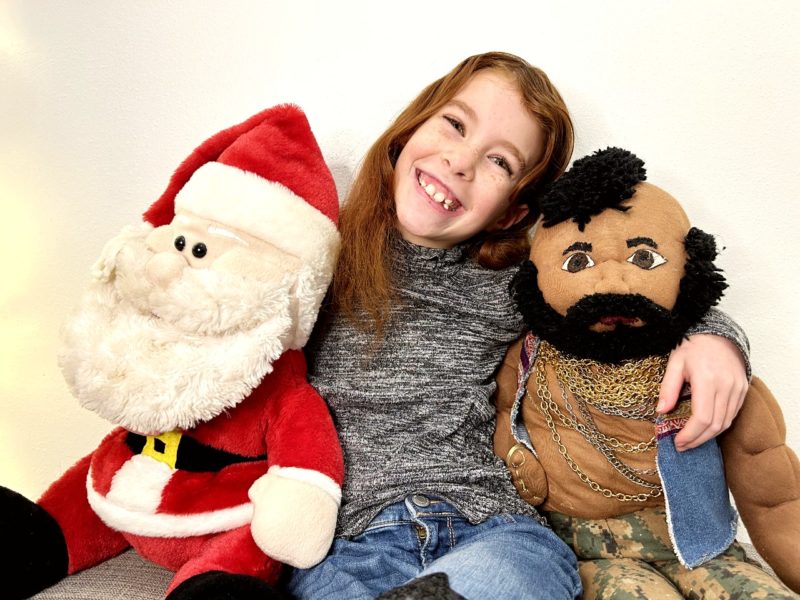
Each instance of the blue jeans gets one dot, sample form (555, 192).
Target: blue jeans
(504, 557)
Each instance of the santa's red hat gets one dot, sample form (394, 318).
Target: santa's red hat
(266, 177)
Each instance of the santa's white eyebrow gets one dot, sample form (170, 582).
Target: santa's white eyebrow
(639, 241)
(216, 230)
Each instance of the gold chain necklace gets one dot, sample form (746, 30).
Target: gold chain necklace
(624, 390)
(629, 390)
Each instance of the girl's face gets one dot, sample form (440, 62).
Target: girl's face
(454, 177)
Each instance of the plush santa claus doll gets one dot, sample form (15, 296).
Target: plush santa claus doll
(225, 463)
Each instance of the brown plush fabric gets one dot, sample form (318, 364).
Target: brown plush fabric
(566, 490)
(527, 473)
(566, 493)
(764, 476)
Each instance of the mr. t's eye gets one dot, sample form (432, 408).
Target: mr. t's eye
(577, 262)
(647, 259)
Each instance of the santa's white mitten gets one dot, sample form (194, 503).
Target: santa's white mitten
(294, 519)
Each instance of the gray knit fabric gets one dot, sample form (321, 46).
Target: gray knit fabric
(126, 577)
(414, 413)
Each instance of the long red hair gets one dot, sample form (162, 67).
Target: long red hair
(362, 283)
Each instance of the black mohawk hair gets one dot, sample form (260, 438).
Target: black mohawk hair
(593, 184)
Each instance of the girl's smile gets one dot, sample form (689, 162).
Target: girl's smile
(438, 192)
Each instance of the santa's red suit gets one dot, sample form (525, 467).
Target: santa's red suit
(182, 500)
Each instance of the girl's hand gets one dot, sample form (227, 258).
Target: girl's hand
(715, 369)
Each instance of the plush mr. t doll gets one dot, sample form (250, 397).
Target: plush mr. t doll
(225, 462)
(615, 280)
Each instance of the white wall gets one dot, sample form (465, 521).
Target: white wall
(100, 100)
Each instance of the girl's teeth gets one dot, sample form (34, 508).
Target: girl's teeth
(439, 197)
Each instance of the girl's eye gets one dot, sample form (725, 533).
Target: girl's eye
(577, 262)
(502, 163)
(646, 259)
(457, 125)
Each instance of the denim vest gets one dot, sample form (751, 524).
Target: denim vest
(702, 523)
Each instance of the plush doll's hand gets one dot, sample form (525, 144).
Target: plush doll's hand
(528, 474)
(715, 369)
(293, 520)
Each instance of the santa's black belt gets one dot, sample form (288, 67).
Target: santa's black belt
(183, 452)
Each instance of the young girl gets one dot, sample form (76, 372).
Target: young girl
(418, 321)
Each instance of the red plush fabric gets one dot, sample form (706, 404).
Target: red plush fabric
(272, 135)
(285, 418)
(89, 540)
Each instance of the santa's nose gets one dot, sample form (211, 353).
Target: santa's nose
(164, 268)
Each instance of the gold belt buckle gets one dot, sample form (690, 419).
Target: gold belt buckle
(164, 447)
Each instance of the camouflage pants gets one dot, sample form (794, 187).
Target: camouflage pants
(631, 557)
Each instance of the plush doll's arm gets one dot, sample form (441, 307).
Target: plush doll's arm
(715, 362)
(763, 474)
(526, 472)
(296, 503)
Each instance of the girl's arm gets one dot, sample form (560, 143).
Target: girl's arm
(715, 361)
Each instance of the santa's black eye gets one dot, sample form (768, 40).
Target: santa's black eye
(180, 243)
(577, 262)
(647, 259)
(199, 250)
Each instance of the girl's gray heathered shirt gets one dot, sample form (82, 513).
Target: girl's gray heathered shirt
(414, 413)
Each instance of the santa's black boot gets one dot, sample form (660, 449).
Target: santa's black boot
(218, 585)
(36, 553)
(431, 587)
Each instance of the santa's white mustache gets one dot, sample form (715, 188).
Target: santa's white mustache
(199, 301)
(153, 359)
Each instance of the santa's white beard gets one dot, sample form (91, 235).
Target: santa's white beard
(153, 360)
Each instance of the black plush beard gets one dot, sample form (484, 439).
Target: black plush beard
(662, 331)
